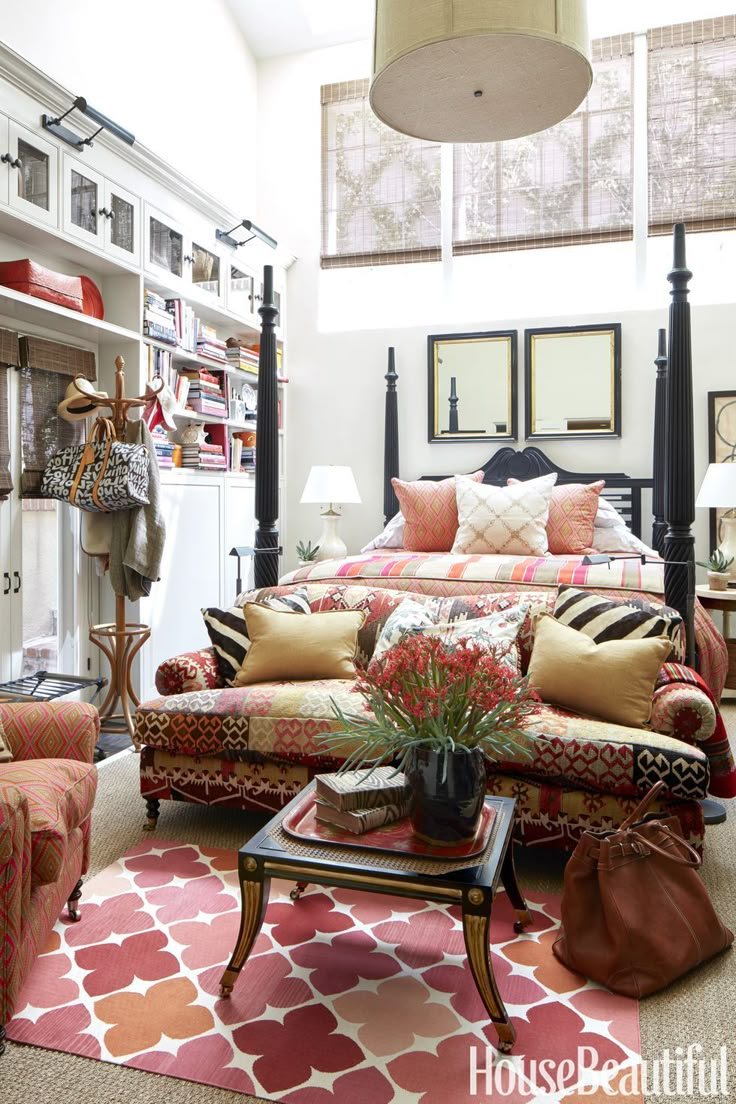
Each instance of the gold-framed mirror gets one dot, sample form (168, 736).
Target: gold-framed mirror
(472, 386)
(573, 381)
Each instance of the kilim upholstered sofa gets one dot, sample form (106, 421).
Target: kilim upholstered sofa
(255, 746)
(46, 798)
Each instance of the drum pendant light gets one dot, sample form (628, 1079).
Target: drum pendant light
(478, 70)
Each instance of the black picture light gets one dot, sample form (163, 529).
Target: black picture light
(80, 104)
(255, 232)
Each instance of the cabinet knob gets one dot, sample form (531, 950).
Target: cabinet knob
(103, 211)
(189, 258)
(14, 162)
(6, 576)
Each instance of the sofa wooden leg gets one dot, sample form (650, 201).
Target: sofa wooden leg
(2, 1039)
(71, 905)
(152, 812)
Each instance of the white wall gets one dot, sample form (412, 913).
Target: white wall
(341, 322)
(177, 73)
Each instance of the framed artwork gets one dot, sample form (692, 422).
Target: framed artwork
(573, 381)
(721, 444)
(472, 386)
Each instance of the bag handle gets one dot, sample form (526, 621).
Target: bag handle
(641, 809)
(682, 860)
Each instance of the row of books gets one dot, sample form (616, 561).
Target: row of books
(158, 322)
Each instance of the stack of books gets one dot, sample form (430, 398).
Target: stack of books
(357, 801)
(185, 322)
(158, 322)
(161, 366)
(163, 447)
(239, 357)
(205, 456)
(208, 344)
(205, 393)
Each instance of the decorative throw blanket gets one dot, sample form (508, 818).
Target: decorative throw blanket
(717, 746)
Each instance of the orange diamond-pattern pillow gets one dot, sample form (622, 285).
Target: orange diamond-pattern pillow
(572, 512)
(430, 512)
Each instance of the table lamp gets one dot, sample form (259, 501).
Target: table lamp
(330, 483)
(718, 490)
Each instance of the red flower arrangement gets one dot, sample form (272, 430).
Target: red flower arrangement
(424, 692)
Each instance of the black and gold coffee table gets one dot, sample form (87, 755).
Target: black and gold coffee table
(272, 852)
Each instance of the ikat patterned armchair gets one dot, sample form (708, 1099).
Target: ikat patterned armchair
(46, 797)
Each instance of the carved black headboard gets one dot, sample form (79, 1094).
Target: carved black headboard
(623, 491)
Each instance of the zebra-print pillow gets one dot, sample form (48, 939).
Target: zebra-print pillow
(228, 634)
(605, 619)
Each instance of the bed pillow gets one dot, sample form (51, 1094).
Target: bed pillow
(229, 636)
(614, 681)
(619, 538)
(509, 521)
(391, 537)
(286, 648)
(605, 619)
(573, 509)
(430, 512)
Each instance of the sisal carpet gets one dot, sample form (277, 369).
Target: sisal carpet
(347, 997)
(696, 1009)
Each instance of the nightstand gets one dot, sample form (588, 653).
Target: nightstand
(725, 601)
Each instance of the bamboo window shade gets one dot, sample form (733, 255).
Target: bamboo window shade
(692, 125)
(46, 370)
(8, 359)
(380, 189)
(569, 184)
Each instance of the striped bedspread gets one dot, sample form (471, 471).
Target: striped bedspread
(446, 574)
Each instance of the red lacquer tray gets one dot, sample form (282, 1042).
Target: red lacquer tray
(302, 824)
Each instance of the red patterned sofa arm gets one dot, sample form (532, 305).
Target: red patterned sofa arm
(684, 707)
(188, 672)
(51, 730)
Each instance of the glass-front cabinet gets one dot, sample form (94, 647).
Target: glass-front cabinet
(28, 173)
(182, 258)
(99, 212)
(241, 291)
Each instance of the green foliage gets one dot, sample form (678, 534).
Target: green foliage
(306, 552)
(717, 562)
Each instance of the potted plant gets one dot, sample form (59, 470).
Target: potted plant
(438, 711)
(306, 553)
(718, 570)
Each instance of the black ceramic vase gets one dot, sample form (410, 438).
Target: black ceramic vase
(447, 804)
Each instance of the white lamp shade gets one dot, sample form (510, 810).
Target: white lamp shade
(718, 487)
(479, 70)
(330, 483)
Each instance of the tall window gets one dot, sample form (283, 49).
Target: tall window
(692, 125)
(380, 189)
(571, 183)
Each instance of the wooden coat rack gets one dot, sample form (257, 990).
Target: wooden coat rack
(119, 641)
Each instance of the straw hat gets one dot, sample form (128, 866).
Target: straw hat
(73, 407)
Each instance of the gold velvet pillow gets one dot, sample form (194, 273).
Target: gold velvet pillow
(614, 680)
(6, 755)
(321, 646)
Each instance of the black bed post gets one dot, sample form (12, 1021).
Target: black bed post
(391, 440)
(679, 543)
(659, 464)
(266, 562)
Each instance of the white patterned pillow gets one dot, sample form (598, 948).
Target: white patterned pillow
(228, 635)
(508, 521)
(410, 617)
(391, 537)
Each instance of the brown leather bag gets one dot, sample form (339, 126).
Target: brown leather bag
(635, 912)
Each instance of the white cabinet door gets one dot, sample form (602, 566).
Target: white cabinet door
(164, 250)
(83, 202)
(242, 283)
(240, 532)
(5, 159)
(34, 179)
(192, 572)
(122, 217)
(6, 589)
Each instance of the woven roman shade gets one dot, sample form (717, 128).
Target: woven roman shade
(380, 189)
(692, 125)
(569, 184)
(8, 359)
(46, 369)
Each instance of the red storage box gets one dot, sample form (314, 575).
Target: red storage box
(77, 293)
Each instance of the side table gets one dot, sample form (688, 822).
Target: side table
(725, 601)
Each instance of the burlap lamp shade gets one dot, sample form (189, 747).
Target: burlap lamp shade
(478, 70)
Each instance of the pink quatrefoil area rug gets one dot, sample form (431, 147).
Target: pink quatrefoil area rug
(347, 997)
